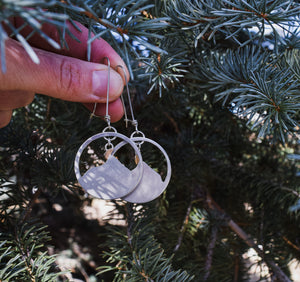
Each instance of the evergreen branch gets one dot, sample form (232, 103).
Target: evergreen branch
(33, 13)
(105, 23)
(10, 266)
(116, 19)
(213, 206)
(292, 40)
(121, 23)
(163, 70)
(293, 62)
(270, 100)
(211, 55)
(280, 275)
(258, 89)
(224, 72)
(23, 258)
(23, 238)
(145, 259)
(231, 18)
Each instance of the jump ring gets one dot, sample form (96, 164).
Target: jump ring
(138, 134)
(108, 146)
(109, 129)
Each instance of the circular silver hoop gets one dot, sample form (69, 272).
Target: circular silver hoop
(120, 181)
(151, 185)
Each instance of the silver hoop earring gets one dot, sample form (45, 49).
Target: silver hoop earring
(112, 179)
(151, 185)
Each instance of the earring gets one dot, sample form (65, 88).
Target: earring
(151, 185)
(112, 179)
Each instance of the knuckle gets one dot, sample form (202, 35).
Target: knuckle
(70, 77)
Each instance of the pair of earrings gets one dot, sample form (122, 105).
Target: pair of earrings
(111, 179)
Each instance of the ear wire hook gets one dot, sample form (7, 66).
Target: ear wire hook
(133, 120)
(107, 116)
(137, 132)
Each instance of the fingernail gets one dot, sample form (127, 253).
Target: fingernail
(100, 81)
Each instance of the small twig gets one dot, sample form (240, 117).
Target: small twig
(25, 255)
(30, 205)
(48, 108)
(105, 23)
(236, 268)
(297, 248)
(90, 263)
(297, 194)
(183, 227)
(210, 252)
(84, 274)
(130, 222)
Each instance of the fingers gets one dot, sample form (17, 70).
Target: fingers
(99, 47)
(65, 75)
(5, 117)
(16, 99)
(58, 76)
(10, 100)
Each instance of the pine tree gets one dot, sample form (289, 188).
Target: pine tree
(216, 83)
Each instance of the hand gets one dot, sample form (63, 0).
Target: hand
(62, 74)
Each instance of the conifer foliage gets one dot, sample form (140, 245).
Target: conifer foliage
(217, 84)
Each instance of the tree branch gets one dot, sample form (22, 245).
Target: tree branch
(212, 205)
(183, 227)
(210, 251)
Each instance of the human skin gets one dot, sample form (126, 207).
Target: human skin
(61, 73)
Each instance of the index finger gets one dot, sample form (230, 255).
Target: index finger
(100, 49)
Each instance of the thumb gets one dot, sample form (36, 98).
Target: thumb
(58, 76)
